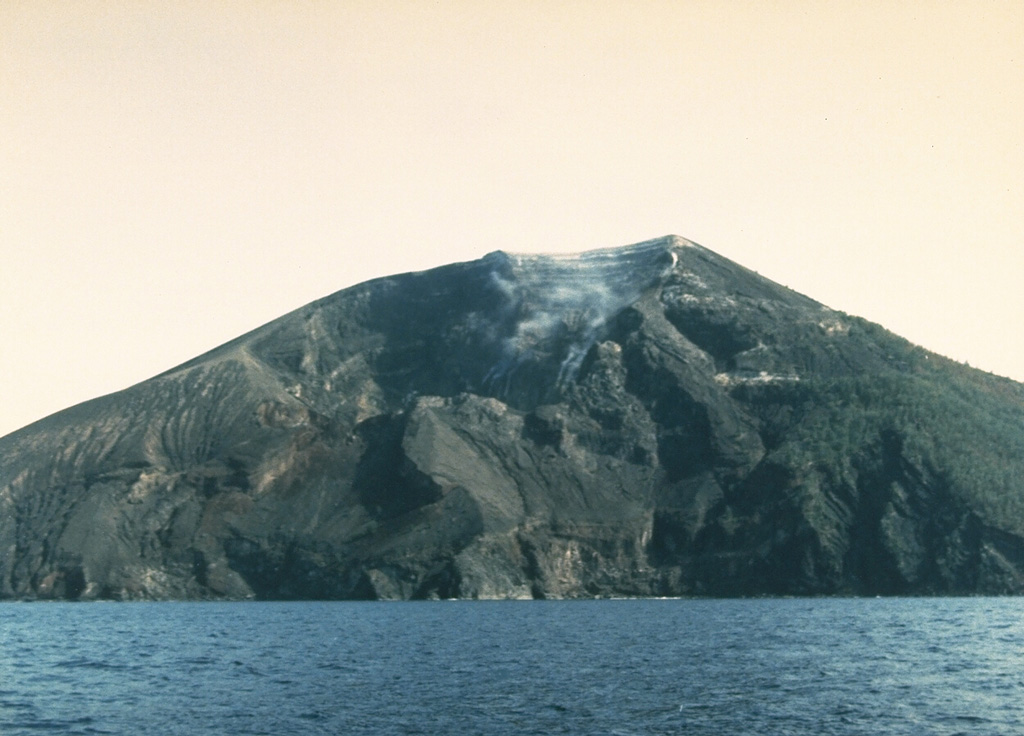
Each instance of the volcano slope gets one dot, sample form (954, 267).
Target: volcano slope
(652, 420)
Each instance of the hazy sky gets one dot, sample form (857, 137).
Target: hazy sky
(173, 174)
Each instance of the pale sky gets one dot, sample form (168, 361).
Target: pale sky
(173, 174)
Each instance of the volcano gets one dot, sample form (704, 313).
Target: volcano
(651, 420)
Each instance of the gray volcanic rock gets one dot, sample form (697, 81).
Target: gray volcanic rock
(647, 420)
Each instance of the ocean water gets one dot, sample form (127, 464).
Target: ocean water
(792, 666)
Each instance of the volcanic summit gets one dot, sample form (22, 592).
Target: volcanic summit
(651, 420)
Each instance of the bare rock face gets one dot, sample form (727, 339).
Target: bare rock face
(647, 420)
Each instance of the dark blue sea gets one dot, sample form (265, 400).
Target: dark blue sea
(793, 666)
